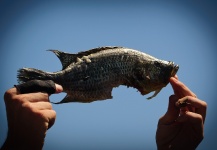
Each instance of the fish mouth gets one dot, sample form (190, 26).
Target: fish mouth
(175, 69)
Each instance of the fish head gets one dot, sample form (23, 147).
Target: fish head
(155, 75)
(160, 71)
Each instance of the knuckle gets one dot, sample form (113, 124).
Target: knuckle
(23, 98)
(187, 98)
(173, 99)
(197, 119)
(27, 106)
(40, 114)
(45, 96)
(8, 95)
(41, 118)
(12, 99)
(54, 113)
(204, 104)
(50, 106)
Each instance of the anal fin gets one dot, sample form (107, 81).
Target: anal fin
(87, 96)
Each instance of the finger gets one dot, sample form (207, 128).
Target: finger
(198, 105)
(176, 77)
(59, 88)
(50, 115)
(195, 119)
(10, 93)
(193, 124)
(41, 105)
(34, 97)
(180, 89)
(11, 96)
(172, 111)
(32, 86)
(184, 106)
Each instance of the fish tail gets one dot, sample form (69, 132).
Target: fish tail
(27, 74)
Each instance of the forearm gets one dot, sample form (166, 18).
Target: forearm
(19, 142)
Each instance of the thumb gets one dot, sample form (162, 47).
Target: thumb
(59, 88)
(172, 111)
(33, 86)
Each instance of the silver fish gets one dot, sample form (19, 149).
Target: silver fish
(91, 75)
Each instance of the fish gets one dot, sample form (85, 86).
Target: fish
(91, 75)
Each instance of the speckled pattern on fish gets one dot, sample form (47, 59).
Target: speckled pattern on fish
(91, 75)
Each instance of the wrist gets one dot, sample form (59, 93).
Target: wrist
(20, 142)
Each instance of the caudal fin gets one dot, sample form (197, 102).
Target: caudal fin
(27, 74)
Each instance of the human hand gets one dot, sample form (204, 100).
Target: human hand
(29, 116)
(182, 126)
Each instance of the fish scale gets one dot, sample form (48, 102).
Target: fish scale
(91, 75)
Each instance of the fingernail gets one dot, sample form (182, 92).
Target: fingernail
(182, 102)
(59, 88)
(174, 79)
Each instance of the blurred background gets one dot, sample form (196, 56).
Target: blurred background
(184, 32)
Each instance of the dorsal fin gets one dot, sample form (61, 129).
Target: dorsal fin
(95, 50)
(65, 58)
(68, 58)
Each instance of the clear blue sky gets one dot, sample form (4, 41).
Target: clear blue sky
(183, 32)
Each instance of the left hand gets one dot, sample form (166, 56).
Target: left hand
(181, 127)
(29, 116)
